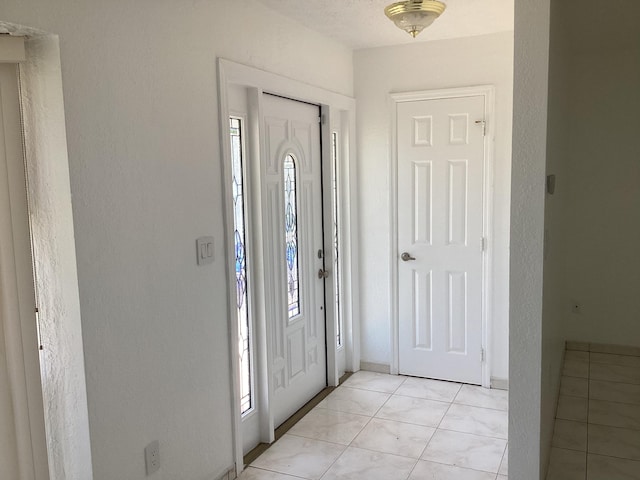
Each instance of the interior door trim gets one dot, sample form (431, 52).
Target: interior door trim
(488, 92)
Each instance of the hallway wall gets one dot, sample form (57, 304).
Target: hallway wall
(486, 59)
(141, 106)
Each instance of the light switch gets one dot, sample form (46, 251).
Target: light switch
(205, 250)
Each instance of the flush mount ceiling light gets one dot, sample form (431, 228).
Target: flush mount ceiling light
(413, 16)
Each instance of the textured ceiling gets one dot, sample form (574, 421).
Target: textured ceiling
(363, 24)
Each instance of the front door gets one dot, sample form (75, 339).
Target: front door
(292, 213)
(440, 237)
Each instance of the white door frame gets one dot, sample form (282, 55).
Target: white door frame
(488, 92)
(339, 114)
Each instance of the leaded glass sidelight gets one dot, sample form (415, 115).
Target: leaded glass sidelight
(291, 236)
(244, 324)
(336, 244)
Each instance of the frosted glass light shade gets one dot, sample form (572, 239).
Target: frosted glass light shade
(413, 16)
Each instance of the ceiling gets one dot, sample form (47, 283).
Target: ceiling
(363, 24)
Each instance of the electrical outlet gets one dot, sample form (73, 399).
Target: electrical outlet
(576, 308)
(152, 457)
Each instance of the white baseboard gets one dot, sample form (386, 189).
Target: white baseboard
(375, 367)
(500, 383)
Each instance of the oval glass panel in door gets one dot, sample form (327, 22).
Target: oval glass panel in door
(291, 236)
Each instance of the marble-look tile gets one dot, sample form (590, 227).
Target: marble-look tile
(252, 473)
(330, 426)
(614, 441)
(614, 414)
(397, 438)
(465, 450)
(354, 400)
(378, 382)
(609, 468)
(502, 477)
(574, 387)
(413, 410)
(429, 389)
(576, 355)
(614, 349)
(479, 421)
(504, 465)
(572, 408)
(567, 465)
(576, 368)
(359, 464)
(614, 373)
(614, 392)
(579, 346)
(301, 457)
(483, 397)
(610, 359)
(570, 435)
(436, 471)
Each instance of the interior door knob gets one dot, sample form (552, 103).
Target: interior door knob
(323, 273)
(406, 256)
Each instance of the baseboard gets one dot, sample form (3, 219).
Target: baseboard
(230, 474)
(375, 367)
(500, 383)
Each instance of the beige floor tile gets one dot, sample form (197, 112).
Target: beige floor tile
(475, 420)
(610, 359)
(576, 355)
(614, 349)
(614, 392)
(330, 426)
(355, 400)
(436, 471)
(574, 387)
(465, 450)
(301, 457)
(579, 346)
(504, 465)
(614, 442)
(576, 368)
(418, 411)
(570, 435)
(429, 389)
(252, 473)
(614, 373)
(609, 468)
(397, 438)
(614, 414)
(359, 464)
(483, 397)
(567, 465)
(572, 408)
(378, 382)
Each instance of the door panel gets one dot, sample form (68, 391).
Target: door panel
(440, 227)
(293, 236)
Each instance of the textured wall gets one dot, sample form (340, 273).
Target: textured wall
(141, 107)
(462, 62)
(527, 217)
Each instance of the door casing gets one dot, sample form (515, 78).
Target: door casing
(488, 92)
(338, 113)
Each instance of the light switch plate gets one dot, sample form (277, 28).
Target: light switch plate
(205, 249)
(152, 457)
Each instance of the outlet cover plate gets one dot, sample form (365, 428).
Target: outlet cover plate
(152, 457)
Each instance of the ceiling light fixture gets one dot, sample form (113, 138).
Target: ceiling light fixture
(413, 16)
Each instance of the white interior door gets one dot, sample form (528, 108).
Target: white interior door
(292, 222)
(23, 453)
(440, 237)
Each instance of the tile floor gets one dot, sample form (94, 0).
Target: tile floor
(385, 427)
(597, 430)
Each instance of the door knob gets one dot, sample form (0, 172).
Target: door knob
(406, 256)
(323, 274)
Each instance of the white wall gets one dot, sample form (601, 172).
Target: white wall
(142, 127)
(461, 62)
(527, 226)
(603, 264)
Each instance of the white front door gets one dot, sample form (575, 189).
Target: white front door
(292, 216)
(440, 237)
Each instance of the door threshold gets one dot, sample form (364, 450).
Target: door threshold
(292, 420)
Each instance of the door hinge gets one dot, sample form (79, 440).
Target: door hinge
(38, 332)
(484, 244)
(322, 119)
(483, 355)
(484, 126)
